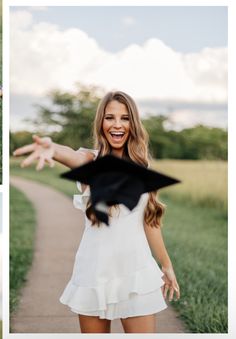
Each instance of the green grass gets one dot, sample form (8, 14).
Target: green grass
(204, 182)
(46, 176)
(22, 229)
(196, 239)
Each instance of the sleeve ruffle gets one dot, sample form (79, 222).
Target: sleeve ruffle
(80, 200)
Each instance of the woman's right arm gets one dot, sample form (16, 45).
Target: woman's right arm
(44, 150)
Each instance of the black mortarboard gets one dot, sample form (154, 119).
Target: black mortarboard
(114, 180)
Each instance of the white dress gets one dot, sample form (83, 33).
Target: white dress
(115, 274)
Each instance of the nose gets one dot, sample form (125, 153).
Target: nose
(117, 123)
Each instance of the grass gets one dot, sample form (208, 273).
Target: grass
(46, 176)
(22, 221)
(195, 236)
(204, 182)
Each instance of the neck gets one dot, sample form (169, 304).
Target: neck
(118, 152)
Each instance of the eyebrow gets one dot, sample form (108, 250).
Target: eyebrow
(123, 115)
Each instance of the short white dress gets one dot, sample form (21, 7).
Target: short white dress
(115, 274)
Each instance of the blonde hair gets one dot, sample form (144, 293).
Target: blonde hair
(136, 149)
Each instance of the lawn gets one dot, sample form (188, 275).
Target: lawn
(195, 235)
(204, 182)
(22, 221)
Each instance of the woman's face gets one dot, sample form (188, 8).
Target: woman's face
(116, 125)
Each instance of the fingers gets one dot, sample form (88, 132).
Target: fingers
(171, 290)
(24, 150)
(171, 294)
(50, 162)
(41, 163)
(165, 290)
(45, 141)
(177, 292)
(32, 157)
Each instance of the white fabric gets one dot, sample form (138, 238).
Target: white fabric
(115, 274)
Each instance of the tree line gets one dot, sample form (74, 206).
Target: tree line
(72, 116)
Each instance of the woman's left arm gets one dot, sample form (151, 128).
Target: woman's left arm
(156, 243)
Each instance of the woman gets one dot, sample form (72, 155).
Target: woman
(115, 274)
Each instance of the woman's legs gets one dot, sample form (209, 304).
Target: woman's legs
(140, 324)
(90, 324)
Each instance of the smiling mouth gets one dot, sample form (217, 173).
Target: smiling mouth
(117, 136)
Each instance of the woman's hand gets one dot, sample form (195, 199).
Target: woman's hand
(170, 284)
(41, 150)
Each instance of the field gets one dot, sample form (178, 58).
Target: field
(21, 242)
(203, 183)
(195, 232)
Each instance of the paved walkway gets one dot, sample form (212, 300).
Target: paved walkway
(59, 230)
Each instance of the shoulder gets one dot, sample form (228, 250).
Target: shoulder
(85, 155)
(88, 153)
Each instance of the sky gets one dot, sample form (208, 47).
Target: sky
(172, 60)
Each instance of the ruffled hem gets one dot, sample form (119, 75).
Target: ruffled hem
(97, 298)
(136, 305)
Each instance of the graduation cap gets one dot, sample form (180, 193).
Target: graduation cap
(114, 180)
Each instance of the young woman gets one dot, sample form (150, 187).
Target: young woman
(115, 274)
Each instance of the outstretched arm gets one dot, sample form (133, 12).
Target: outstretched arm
(44, 150)
(156, 243)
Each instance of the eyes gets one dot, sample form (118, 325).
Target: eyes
(111, 117)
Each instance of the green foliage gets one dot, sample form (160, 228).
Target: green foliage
(46, 176)
(199, 142)
(22, 229)
(196, 239)
(72, 115)
(202, 142)
(19, 139)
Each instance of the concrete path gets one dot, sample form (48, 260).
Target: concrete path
(58, 233)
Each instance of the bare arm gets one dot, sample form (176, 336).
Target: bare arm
(71, 158)
(44, 151)
(156, 243)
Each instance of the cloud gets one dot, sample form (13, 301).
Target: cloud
(44, 57)
(38, 8)
(186, 118)
(128, 21)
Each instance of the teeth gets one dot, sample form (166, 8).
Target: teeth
(117, 133)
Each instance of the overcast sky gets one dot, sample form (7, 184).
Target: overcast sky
(170, 59)
(185, 29)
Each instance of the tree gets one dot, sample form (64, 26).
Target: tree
(157, 135)
(202, 142)
(71, 115)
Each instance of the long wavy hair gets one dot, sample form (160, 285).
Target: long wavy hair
(136, 149)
